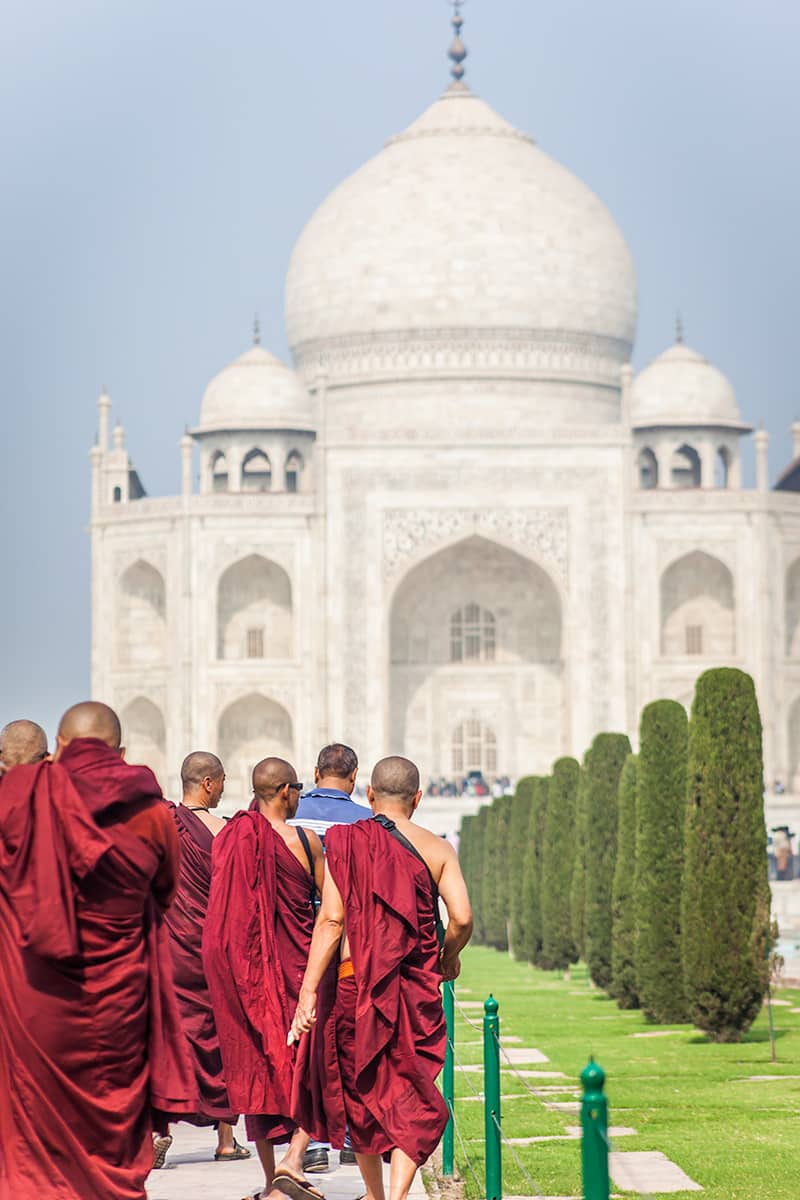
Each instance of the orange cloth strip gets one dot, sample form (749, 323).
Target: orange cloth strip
(346, 969)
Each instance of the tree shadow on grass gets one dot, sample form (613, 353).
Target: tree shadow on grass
(753, 1036)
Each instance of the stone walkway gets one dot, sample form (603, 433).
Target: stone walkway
(191, 1173)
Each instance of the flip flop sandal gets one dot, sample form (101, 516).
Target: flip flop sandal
(295, 1189)
(236, 1155)
(160, 1147)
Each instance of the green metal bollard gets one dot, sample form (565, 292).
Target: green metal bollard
(491, 1094)
(448, 1078)
(594, 1121)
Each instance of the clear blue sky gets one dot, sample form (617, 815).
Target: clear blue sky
(160, 158)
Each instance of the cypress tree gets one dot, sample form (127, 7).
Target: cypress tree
(466, 852)
(477, 895)
(577, 895)
(499, 872)
(558, 948)
(532, 882)
(660, 825)
(495, 871)
(609, 751)
(519, 830)
(726, 898)
(623, 929)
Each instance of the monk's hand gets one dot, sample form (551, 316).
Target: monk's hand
(451, 966)
(305, 1014)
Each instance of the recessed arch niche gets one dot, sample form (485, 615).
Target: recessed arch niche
(697, 608)
(141, 616)
(144, 736)
(254, 610)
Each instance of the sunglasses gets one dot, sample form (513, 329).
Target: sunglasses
(296, 787)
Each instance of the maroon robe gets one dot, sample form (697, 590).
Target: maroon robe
(372, 1058)
(91, 1050)
(185, 919)
(255, 948)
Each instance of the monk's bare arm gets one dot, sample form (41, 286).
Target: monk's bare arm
(327, 935)
(453, 891)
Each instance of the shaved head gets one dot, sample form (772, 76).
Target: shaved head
(395, 780)
(275, 800)
(200, 765)
(22, 742)
(91, 719)
(270, 775)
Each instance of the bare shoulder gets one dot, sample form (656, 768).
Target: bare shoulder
(436, 850)
(314, 842)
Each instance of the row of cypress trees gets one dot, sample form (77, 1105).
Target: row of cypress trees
(650, 867)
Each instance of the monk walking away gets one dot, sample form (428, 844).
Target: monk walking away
(91, 1049)
(203, 783)
(265, 877)
(372, 1059)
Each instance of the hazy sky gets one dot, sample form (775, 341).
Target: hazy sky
(160, 158)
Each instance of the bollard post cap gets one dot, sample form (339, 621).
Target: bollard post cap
(593, 1077)
(490, 1006)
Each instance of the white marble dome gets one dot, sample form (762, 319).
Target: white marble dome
(462, 225)
(255, 391)
(681, 387)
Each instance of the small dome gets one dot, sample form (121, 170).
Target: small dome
(255, 391)
(461, 223)
(680, 387)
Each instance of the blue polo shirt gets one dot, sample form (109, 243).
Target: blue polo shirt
(322, 807)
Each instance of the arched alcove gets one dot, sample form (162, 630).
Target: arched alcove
(647, 468)
(251, 728)
(793, 745)
(697, 608)
(144, 736)
(685, 469)
(254, 610)
(476, 628)
(141, 616)
(722, 467)
(256, 472)
(293, 470)
(219, 472)
(792, 609)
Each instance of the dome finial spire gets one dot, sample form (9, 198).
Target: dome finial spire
(458, 51)
(256, 331)
(678, 329)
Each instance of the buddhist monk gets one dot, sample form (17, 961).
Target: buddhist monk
(91, 1048)
(374, 1058)
(21, 742)
(265, 876)
(203, 782)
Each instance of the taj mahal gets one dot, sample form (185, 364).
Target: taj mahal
(457, 525)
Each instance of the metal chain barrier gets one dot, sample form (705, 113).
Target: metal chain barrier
(530, 1181)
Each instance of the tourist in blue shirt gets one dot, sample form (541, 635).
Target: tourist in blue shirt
(330, 802)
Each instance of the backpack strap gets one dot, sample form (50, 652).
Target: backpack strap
(388, 824)
(301, 833)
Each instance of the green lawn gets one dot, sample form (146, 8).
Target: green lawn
(683, 1095)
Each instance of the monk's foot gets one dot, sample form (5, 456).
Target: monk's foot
(161, 1145)
(295, 1186)
(234, 1153)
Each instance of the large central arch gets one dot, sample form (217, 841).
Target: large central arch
(476, 635)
